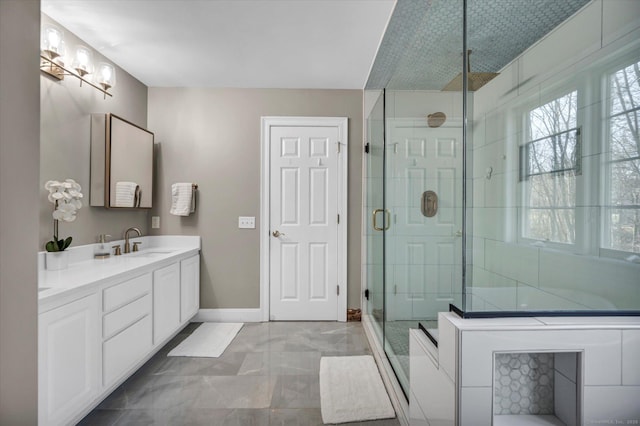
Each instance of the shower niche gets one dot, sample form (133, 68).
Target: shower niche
(536, 388)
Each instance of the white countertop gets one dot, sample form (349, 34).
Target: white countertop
(85, 272)
(546, 323)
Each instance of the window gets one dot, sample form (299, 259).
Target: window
(621, 211)
(550, 160)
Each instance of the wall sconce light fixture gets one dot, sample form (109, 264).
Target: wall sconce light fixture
(106, 76)
(83, 61)
(53, 62)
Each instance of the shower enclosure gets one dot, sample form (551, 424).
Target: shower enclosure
(502, 172)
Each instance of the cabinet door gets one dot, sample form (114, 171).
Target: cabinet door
(68, 360)
(166, 302)
(189, 287)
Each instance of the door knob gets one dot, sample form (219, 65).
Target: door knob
(277, 233)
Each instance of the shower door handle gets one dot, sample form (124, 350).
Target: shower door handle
(374, 218)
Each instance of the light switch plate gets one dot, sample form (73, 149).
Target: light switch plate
(247, 222)
(155, 222)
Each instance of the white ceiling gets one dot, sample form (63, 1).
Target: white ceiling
(329, 44)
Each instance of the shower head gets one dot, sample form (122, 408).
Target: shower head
(436, 119)
(475, 80)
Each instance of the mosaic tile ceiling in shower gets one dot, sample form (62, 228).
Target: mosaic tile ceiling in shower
(422, 47)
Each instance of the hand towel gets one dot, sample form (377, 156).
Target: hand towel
(126, 194)
(181, 194)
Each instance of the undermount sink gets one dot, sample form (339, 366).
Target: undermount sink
(152, 253)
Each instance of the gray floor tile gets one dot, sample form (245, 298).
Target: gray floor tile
(223, 417)
(235, 392)
(298, 417)
(296, 392)
(101, 418)
(260, 343)
(139, 418)
(280, 363)
(226, 365)
(267, 376)
(163, 392)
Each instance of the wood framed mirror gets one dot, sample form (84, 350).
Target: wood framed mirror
(121, 163)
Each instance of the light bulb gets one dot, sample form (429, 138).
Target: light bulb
(52, 41)
(106, 76)
(82, 62)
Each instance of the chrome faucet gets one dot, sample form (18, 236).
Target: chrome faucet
(127, 246)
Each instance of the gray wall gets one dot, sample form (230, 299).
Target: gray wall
(19, 112)
(212, 137)
(64, 146)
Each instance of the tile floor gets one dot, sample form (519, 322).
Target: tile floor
(267, 376)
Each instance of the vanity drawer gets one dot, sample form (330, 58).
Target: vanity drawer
(126, 292)
(120, 319)
(125, 350)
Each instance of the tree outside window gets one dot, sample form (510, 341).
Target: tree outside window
(550, 160)
(622, 197)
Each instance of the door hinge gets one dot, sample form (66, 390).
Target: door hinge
(338, 289)
(339, 147)
(366, 293)
(366, 148)
(338, 219)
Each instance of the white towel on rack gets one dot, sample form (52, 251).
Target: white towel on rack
(181, 195)
(126, 194)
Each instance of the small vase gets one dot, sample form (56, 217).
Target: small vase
(56, 260)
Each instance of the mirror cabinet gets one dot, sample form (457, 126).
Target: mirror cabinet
(121, 163)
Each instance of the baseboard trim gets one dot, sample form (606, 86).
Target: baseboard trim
(228, 315)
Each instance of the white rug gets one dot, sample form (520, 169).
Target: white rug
(209, 340)
(351, 390)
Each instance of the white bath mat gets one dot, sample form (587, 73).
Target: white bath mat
(351, 390)
(209, 340)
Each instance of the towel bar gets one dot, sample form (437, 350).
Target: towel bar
(194, 189)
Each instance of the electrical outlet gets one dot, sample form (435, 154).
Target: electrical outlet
(155, 222)
(247, 222)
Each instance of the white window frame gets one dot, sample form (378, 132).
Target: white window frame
(578, 246)
(605, 166)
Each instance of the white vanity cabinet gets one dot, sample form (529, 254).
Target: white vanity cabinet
(166, 302)
(68, 359)
(189, 287)
(126, 326)
(94, 334)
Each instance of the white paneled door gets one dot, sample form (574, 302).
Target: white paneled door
(304, 208)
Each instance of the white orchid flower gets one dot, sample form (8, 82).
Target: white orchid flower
(66, 212)
(65, 197)
(53, 184)
(67, 207)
